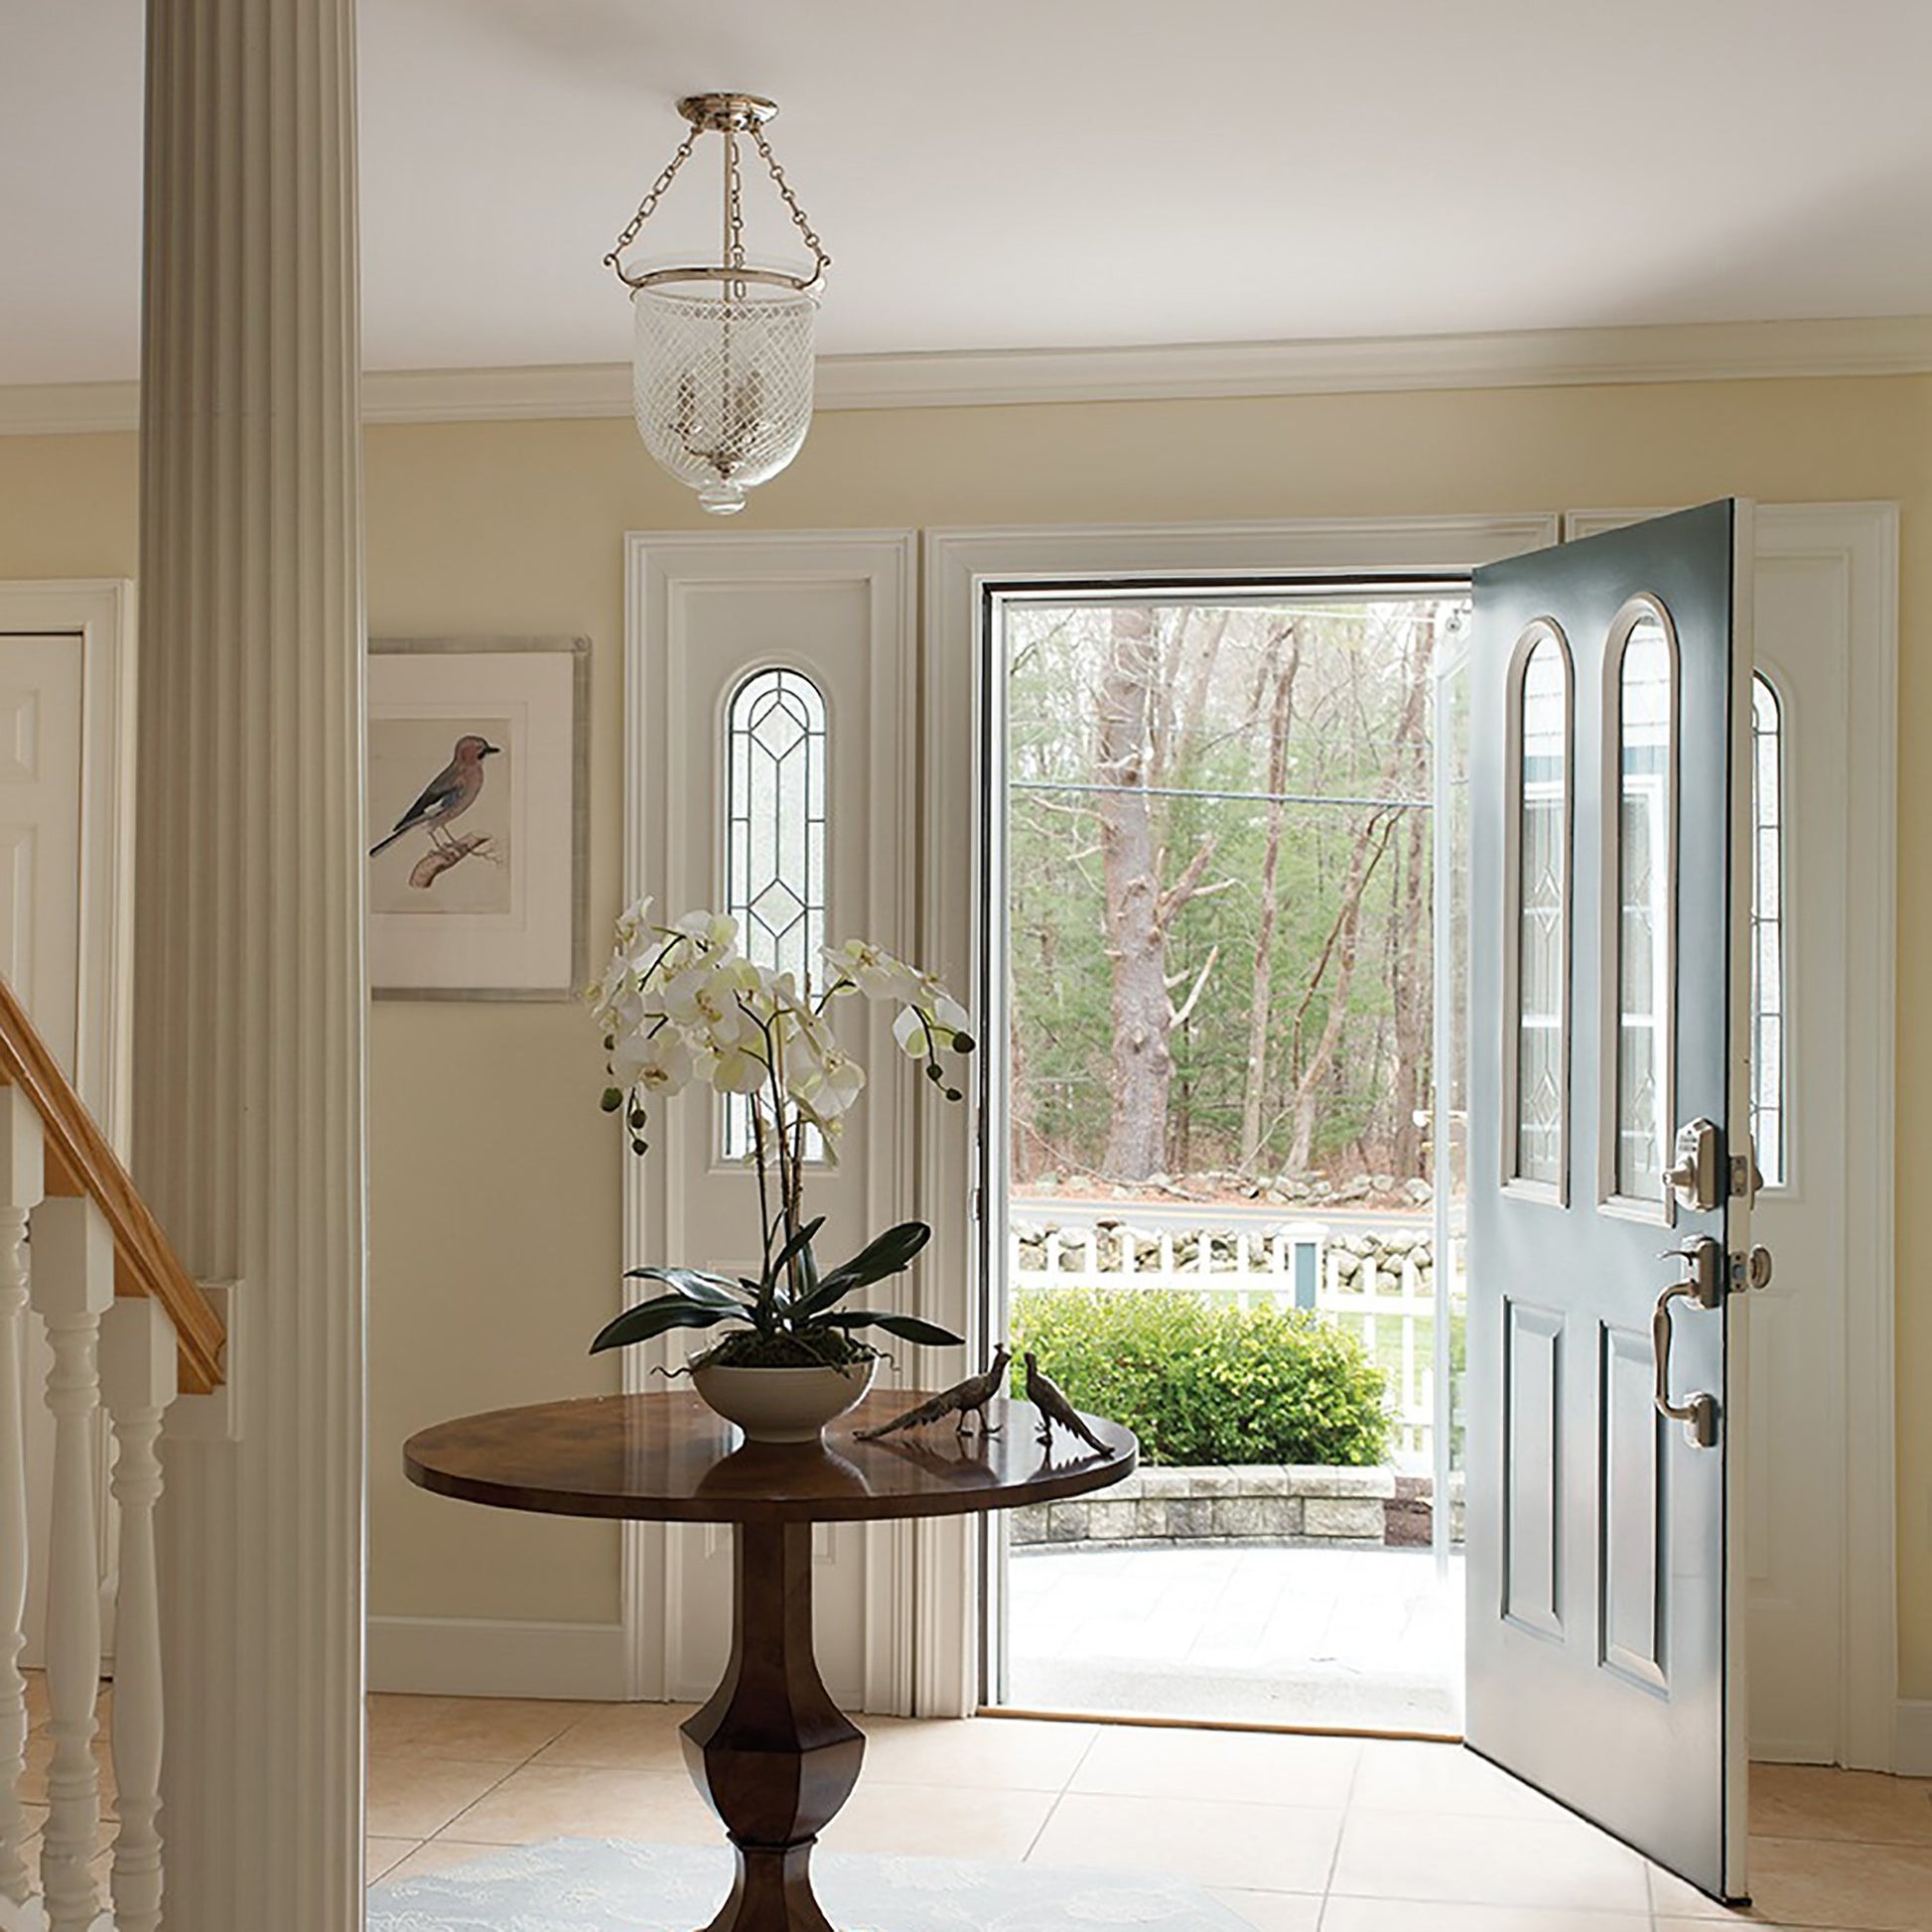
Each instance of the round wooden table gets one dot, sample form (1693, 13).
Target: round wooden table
(773, 1754)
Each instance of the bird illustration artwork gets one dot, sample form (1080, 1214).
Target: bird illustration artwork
(447, 796)
(967, 1398)
(1043, 1393)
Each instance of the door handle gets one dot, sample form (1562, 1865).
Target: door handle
(1702, 1285)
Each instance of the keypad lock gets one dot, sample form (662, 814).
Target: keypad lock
(1696, 1173)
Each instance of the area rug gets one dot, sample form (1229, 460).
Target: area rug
(582, 1884)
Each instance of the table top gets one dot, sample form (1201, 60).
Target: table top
(668, 1458)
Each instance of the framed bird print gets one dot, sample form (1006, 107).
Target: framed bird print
(477, 810)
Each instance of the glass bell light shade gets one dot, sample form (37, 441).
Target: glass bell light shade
(722, 382)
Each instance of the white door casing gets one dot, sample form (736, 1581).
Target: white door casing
(703, 613)
(1821, 1595)
(66, 791)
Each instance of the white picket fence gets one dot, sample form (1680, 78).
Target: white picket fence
(1389, 1305)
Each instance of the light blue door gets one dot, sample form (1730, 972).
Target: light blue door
(1611, 1179)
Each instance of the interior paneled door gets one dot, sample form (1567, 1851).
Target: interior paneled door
(1611, 1179)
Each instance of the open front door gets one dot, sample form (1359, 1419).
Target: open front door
(1611, 1179)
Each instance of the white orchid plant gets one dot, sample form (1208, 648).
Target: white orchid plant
(681, 1006)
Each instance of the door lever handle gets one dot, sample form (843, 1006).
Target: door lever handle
(1700, 1414)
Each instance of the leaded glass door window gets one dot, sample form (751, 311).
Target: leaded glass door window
(775, 866)
(1641, 755)
(1538, 1106)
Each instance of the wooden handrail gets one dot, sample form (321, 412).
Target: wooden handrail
(79, 1160)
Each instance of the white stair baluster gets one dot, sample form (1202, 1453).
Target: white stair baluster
(19, 1193)
(73, 1288)
(137, 1377)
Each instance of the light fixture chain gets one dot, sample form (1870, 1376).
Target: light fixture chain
(648, 205)
(820, 258)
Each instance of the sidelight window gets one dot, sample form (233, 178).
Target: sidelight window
(1768, 1111)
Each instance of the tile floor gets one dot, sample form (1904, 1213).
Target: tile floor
(1294, 1834)
(1342, 1639)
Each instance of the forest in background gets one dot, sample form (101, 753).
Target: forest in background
(1219, 885)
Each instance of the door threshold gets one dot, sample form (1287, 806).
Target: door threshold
(1150, 1721)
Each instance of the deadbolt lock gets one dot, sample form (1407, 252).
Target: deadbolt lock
(1696, 1173)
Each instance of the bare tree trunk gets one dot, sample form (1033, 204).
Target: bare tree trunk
(1143, 1064)
(1412, 980)
(1281, 715)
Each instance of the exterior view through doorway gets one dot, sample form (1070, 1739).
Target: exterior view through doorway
(1225, 1201)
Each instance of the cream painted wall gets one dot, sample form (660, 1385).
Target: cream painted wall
(494, 1198)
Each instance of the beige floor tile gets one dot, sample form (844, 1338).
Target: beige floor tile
(639, 1736)
(1412, 1915)
(542, 1801)
(1811, 1801)
(1529, 1862)
(1815, 1882)
(1005, 1753)
(1443, 1779)
(382, 1854)
(1241, 1767)
(931, 1821)
(1252, 1848)
(1738, 1918)
(470, 1730)
(415, 1797)
(439, 1855)
(1272, 1911)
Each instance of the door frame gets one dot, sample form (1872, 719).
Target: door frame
(100, 612)
(1878, 1732)
(1861, 542)
(956, 1168)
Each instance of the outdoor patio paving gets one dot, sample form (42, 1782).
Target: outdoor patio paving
(1368, 1639)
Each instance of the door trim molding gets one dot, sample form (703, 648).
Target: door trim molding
(1862, 540)
(658, 567)
(959, 564)
(101, 610)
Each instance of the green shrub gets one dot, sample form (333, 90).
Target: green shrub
(1206, 1383)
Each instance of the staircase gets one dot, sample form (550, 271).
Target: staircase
(127, 1329)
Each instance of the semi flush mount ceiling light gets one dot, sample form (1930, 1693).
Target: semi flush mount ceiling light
(722, 363)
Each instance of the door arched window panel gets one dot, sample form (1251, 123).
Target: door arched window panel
(1640, 924)
(775, 853)
(1537, 1100)
(1768, 1111)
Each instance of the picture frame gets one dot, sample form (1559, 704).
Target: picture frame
(478, 811)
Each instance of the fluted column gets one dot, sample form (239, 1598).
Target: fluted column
(249, 1001)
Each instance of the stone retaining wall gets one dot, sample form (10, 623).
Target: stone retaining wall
(1262, 1503)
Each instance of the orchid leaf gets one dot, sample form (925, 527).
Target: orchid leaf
(696, 1283)
(888, 1254)
(909, 1327)
(649, 1319)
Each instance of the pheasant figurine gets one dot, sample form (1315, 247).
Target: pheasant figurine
(967, 1398)
(1043, 1393)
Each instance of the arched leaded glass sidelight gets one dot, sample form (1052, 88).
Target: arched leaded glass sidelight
(1542, 892)
(774, 864)
(1646, 939)
(1767, 932)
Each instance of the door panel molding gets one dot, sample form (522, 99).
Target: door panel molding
(1836, 674)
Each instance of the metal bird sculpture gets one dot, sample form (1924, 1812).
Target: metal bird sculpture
(1053, 1407)
(448, 796)
(967, 1398)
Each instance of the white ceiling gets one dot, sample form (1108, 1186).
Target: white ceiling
(1002, 173)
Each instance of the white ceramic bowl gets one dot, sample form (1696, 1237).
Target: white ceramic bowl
(783, 1405)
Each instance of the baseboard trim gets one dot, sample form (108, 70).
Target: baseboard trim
(1912, 1739)
(441, 1656)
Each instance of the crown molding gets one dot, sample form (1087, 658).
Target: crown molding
(1511, 359)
